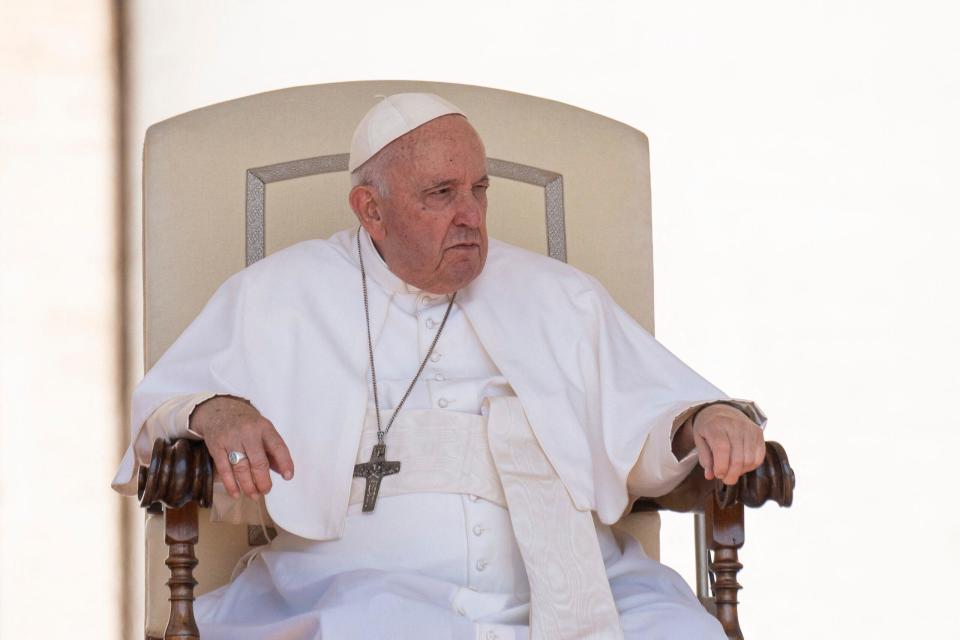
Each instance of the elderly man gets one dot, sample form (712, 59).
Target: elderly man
(456, 421)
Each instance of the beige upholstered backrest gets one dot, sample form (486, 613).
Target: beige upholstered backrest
(227, 184)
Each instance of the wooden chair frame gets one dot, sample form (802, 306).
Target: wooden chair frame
(180, 476)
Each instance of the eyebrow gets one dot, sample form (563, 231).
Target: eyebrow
(452, 181)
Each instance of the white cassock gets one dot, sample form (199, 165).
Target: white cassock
(438, 557)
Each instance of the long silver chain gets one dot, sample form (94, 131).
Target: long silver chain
(381, 433)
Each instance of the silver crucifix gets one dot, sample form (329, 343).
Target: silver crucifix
(374, 471)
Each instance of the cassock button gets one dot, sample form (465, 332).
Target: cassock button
(439, 377)
(425, 300)
(481, 564)
(460, 611)
(430, 323)
(491, 635)
(435, 357)
(477, 530)
(442, 403)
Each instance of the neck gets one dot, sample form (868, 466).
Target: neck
(379, 252)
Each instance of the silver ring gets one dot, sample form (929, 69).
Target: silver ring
(236, 456)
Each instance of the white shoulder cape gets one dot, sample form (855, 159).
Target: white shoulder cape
(288, 334)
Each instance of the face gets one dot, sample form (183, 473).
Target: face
(430, 227)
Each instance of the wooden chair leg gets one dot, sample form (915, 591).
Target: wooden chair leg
(724, 537)
(182, 533)
(725, 566)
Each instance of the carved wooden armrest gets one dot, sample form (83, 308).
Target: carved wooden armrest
(177, 481)
(722, 507)
(773, 480)
(180, 478)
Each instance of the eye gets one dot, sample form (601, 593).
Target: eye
(440, 193)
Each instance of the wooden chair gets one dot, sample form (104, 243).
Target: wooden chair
(228, 184)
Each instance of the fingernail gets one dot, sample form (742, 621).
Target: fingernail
(287, 475)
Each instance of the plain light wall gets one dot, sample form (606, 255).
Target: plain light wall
(59, 321)
(804, 160)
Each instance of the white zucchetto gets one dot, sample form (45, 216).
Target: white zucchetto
(391, 118)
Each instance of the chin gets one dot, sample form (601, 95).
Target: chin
(467, 279)
(458, 277)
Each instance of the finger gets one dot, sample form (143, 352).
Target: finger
(761, 454)
(259, 465)
(241, 471)
(705, 455)
(219, 455)
(720, 447)
(752, 457)
(737, 450)
(279, 455)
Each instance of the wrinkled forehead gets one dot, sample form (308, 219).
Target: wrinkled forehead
(449, 141)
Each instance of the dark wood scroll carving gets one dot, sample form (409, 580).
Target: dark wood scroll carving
(722, 506)
(178, 480)
(773, 480)
(180, 472)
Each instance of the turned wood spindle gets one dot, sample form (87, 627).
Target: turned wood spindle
(181, 536)
(179, 479)
(725, 535)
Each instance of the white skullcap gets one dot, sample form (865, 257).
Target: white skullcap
(391, 118)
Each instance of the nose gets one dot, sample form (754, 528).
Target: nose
(469, 209)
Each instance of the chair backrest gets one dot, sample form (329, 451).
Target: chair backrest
(227, 184)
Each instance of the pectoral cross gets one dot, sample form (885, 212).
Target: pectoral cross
(374, 471)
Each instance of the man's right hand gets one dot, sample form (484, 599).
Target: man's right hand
(230, 424)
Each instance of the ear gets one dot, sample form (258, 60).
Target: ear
(367, 206)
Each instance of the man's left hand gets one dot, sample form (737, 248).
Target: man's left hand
(729, 444)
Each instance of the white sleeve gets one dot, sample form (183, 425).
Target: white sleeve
(657, 466)
(171, 420)
(206, 360)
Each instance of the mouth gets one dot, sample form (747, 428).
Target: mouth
(465, 245)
